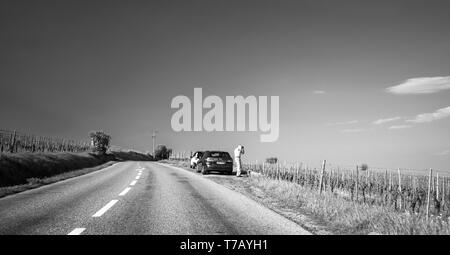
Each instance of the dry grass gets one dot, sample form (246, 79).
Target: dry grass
(348, 217)
(33, 183)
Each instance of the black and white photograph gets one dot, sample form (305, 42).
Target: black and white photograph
(236, 120)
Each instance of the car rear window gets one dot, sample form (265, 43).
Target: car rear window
(219, 154)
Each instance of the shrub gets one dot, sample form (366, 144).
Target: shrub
(272, 160)
(100, 141)
(161, 152)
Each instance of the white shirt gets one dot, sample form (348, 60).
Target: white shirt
(239, 151)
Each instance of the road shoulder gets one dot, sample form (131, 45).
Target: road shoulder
(245, 187)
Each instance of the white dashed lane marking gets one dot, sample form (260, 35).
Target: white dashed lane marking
(99, 213)
(125, 191)
(76, 231)
(105, 208)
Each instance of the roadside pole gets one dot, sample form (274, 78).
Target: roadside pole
(153, 141)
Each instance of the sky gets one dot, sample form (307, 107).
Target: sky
(358, 81)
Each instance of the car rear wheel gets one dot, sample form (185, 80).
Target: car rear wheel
(204, 172)
(198, 169)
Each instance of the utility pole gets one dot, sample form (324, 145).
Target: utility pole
(154, 139)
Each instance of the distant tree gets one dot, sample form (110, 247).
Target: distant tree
(271, 160)
(363, 167)
(100, 141)
(162, 152)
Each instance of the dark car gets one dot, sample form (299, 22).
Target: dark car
(215, 161)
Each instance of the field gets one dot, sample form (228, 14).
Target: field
(413, 193)
(424, 193)
(14, 142)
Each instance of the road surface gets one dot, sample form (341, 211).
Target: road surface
(138, 198)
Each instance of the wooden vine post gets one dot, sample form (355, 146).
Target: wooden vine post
(437, 186)
(305, 176)
(278, 171)
(390, 181)
(321, 176)
(13, 142)
(429, 192)
(386, 185)
(400, 186)
(357, 182)
(330, 178)
(443, 192)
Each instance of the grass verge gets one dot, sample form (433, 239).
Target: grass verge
(22, 171)
(33, 183)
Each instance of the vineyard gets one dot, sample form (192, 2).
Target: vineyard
(426, 195)
(14, 142)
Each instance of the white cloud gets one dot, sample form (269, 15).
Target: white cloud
(422, 85)
(444, 153)
(343, 123)
(353, 130)
(399, 127)
(429, 117)
(319, 92)
(382, 121)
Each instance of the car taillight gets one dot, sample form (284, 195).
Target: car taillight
(230, 161)
(211, 159)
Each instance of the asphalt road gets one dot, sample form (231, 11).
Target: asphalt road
(138, 198)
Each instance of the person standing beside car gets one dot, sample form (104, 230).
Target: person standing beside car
(237, 158)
